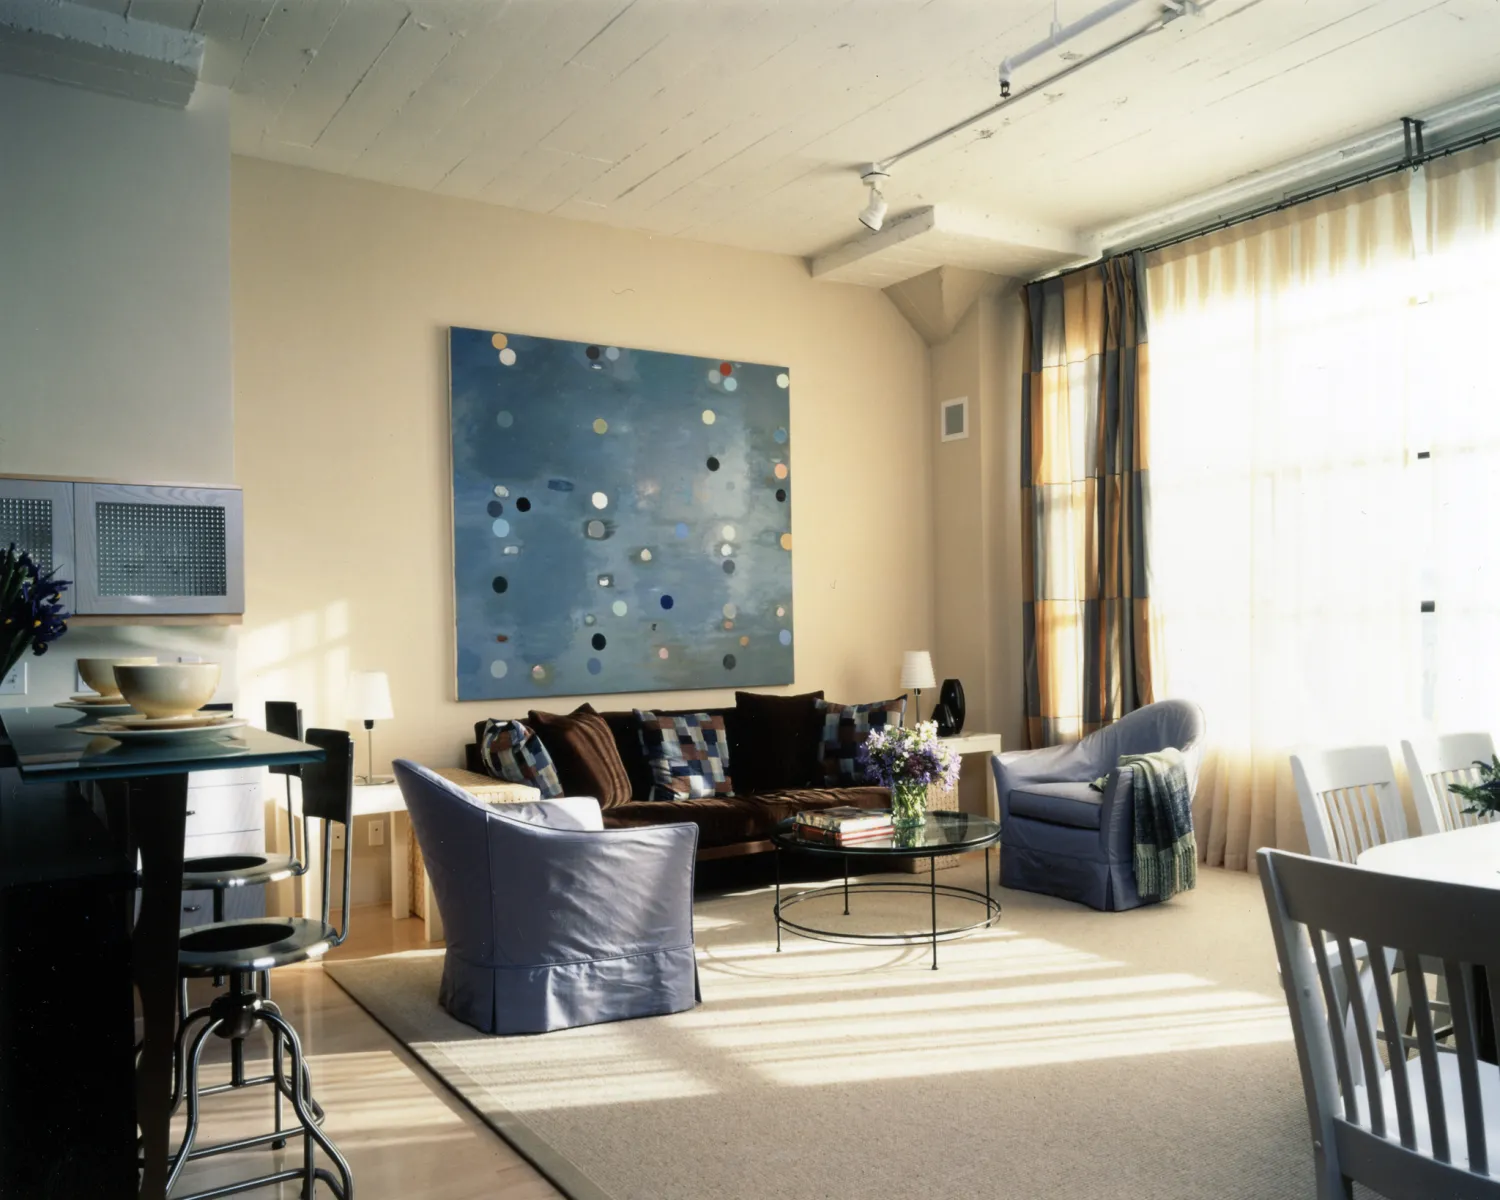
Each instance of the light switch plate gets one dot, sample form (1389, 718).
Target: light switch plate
(14, 684)
(338, 837)
(377, 833)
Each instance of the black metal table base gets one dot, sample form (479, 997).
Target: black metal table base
(932, 889)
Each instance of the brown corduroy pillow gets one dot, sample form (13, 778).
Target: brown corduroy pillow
(777, 743)
(584, 753)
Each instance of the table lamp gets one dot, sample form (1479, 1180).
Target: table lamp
(916, 673)
(369, 700)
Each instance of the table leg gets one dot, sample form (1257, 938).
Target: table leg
(400, 875)
(777, 911)
(846, 885)
(158, 815)
(932, 888)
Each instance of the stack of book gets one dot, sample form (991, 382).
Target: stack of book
(844, 825)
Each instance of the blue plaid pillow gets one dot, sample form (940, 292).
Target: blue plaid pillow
(512, 752)
(845, 728)
(688, 755)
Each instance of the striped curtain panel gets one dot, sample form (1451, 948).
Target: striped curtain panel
(1085, 501)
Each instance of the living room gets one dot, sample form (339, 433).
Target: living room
(1094, 380)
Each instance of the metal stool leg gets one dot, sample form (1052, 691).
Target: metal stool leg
(191, 1132)
(343, 1187)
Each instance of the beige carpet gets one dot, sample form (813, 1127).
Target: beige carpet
(1064, 1053)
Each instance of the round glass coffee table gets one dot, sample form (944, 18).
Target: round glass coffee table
(941, 834)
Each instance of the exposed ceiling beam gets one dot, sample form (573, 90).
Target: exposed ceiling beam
(101, 51)
(941, 235)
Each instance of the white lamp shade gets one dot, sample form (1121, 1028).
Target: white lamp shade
(916, 669)
(369, 696)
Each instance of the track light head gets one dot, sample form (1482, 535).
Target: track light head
(872, 216)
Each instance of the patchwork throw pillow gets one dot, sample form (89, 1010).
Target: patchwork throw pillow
(688, 754)
(845, 727)
(584, 750)
(513, 752)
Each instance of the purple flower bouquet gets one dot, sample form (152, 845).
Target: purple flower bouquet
(908, 761)
(31, 611)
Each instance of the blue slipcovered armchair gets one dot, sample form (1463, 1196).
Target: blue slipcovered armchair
(1059, 836)
(551, 920)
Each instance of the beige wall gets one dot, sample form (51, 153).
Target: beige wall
(343, 292)
(976, 495)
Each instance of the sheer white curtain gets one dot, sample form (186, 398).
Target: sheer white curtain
(1326, 458)
(1284, 563)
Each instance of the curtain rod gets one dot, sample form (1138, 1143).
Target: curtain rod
(1409, 161)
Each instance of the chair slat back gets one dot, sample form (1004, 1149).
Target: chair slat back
(328, 794)
(1434, 764)
(1349, 800)
(1407, 1116)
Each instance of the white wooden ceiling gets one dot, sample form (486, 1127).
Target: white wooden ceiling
(745, 121)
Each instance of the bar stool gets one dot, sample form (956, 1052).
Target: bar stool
(245, 952)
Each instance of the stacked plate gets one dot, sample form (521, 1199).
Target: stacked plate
(191, 727)
(94, 705)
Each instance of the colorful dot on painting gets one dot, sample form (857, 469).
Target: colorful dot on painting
(662, 653)
(728, 624)
(499, 341)
(731, 612)
(744, 641)
(667, 602)
(725, 369)
(730, 384)
(729, 662)
(590, 619)
(508, 357)
(645, 555)
(781, 471)
(708, 416)
(606, 581)
(729, 566)
(785, 637)
(780, 437)
(783, 380)
(523, 505)
(619, 608)
(501, 527)
(781, 495)
(601, 425)
(682, 529)
(612, 353)
(501, 490)
(504, 419)
(713, 463)
(598, 641)
(713, 375)
(593, 352)
(539, 673)
(595, 530)
(780, 610)
(498, 668)
(786, 541)
(512, 550)
(726, 549)
(600, 500)
(595, 666)
(500, 584)
(494, 508)
(727, 533)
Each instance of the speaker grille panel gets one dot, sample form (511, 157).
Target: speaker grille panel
(161, 550)
(27, 523)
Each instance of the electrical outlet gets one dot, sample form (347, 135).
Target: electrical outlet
(338, 837)
(377, 833)
(189, 658)
(14, 684)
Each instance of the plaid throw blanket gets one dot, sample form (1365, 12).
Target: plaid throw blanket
(1166, 852)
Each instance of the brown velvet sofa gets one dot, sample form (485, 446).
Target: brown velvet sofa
(773, 761)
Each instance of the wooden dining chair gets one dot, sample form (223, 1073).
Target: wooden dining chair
(1408, 1117)
(1349, 800)
(1435, 763)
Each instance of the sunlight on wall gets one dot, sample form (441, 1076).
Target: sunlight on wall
(304, 657)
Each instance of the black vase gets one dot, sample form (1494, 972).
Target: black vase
(952, 698)
(944, 720)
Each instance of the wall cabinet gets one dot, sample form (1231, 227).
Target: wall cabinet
(132, 550)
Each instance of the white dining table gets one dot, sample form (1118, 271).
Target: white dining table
(1470, 855)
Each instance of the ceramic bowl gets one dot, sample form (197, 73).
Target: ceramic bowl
(168, 689)
(99, 673)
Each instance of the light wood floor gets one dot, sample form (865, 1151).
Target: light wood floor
(403, 1133)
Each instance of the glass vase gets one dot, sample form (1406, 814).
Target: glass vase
(908, 804)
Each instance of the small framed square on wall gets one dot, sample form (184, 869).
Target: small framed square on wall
(955, 419)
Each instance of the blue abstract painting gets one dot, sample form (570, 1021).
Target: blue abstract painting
(621, 519)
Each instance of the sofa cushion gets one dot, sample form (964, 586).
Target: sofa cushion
(514, 753)
(583, 751)
(778, 741)
(1073, 804)
(845, 727)
(689, 755)
(625, 727)
(725, 821)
